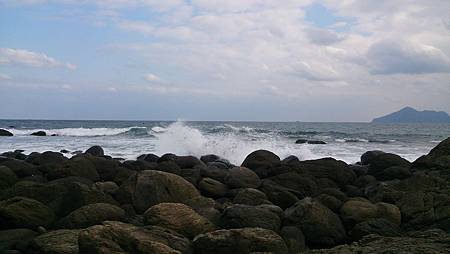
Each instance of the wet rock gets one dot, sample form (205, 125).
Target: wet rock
(301, 141)
(368, 156)
(249, 196)
(20, 168)
(90, 215)
(261, 162)
(209, 158)
(303, 186)
(245, 241)
(151, 187)
(5, 133)
(63, 241)
(378, 226)
(188, 161)
(329, 201)
(107, 187)
(39, 133)
(277, 194)
(15, 238)
(316, 142)
(241, 216)
(46, 158)
(358, 210)
(294, 239)
(206, 207)
(7, 178)
(212, 188)
(380, 164)
(178, 217)
(337, 171)
(20, 212)
(214, 172)
(149, 157)
(241, 177)
(319, 224)
(95, 150)
(76, 166)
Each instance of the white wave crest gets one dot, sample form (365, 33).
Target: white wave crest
(181, 139)
(77, 132)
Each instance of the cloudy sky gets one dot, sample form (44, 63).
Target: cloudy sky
(279, 60)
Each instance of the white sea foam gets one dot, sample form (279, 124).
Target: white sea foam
(77, 132)
(181, 139)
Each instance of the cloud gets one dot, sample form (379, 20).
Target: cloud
(323, 36)
(152, 77)
(404, 57)
(29, 58)
(5, 77)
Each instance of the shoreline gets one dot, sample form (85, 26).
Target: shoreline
(93, 203)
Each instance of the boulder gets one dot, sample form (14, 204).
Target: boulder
(368, 156)
(7, 178)
(243, 241)
(316, 142)
(15, 238)
(149, 157)
(442, 149)
(39, 133)
(20, 168)
(329, 201)
(209, 158)
(76, 166)
(20, 212)
(303, 186)
(277, 194)
(294, 239)
(379, 226)
(241, 216)
(188, 161)
(119, 237)
(151, 187)
(214, 172)
(261, 162)
(383, 161)
(95, 150)
(241, 177)
(358, 210)
(178, 217)
(301, 141)
(249, 196)
(107, 187)
(319, 224)
(212, 188)
(90, 215)
(337, 171)
(63, 241)
(206, 207)
(46, 158)
(5, 133)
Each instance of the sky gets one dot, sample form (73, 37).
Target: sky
(251, 60)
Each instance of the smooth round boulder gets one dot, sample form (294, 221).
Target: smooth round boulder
(107, 187)
(149, 157)
(20, 212)
(368, 156)
(277, 194)
(241, 216)
(151, 187)
(47, 157)
(39, 133)
(95, 150)
(91, 214)
(261, 162)
(76, 166)
(63, 241)
(20, 168)
(15, 238)
(214, 172)
(119, 237)
(337, 171)
(178, 217)
(7, 178)
(385, 160)
(242, 177)
(5, 133)
(244, 240)
(249, 196)
(357, 210)
(319, 224)
(212, 188)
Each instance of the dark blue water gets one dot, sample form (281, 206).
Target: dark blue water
(232, 140)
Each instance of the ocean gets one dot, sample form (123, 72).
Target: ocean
(230, 140)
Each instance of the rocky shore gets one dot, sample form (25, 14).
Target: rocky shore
(93, 203)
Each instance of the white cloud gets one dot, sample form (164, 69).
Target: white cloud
(29, 58)
(5, 77)
(152, 77)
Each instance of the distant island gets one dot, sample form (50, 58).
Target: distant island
(410, 115)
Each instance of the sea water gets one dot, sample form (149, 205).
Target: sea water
(230, 140)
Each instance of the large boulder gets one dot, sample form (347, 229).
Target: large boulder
(261, 162)
(7, 178)
(320, 225)
(178, 217)
(387, 166)
(337, 171)
(303, 185)
(119, 237)
(90, 215)
(15, 238)
(62, 241)
(76, 166)
(375, 226)
(241, 216)
(95, 150)
(212, 188)
(277, 194)
(357, 210)
(151, 187)
(48, 157)
(368, 156)
(206, 207)
(39, 133)
(243, 241)
(294, 239)
(20, 212)
(5, 133)
(20, 168)
(214, 172)
(249, 196)
(241, 177)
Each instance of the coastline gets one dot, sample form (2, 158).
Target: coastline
(93, 203)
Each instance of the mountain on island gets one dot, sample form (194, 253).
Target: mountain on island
(410, 115)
